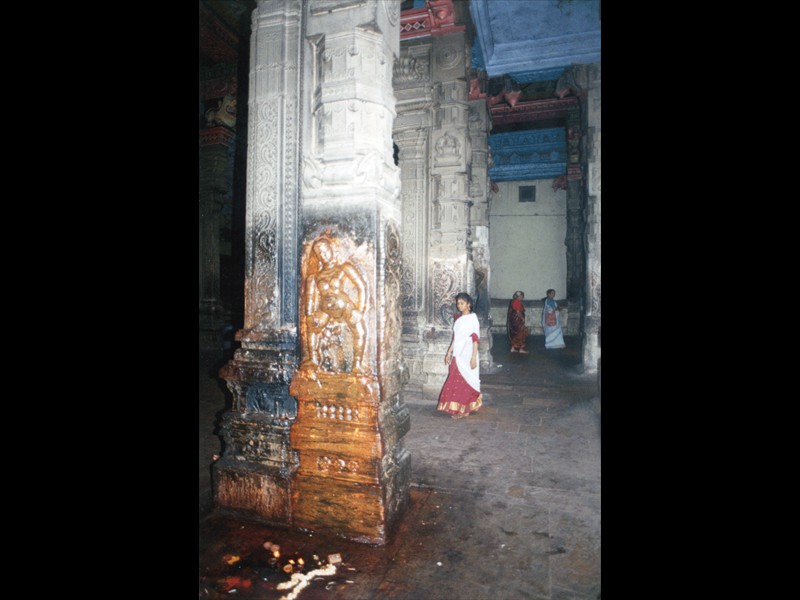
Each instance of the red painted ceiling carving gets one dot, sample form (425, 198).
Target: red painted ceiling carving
(437, 17)
(217, 41)
(535, 110)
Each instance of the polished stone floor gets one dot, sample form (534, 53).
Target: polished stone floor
(505, 504)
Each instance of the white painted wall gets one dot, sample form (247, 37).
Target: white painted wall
(526, 241)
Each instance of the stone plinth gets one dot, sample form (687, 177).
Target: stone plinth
(252, 491)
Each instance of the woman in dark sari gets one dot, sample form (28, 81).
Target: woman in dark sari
(515, 324)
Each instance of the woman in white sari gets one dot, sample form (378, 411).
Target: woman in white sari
(551, 322)
(461, 393)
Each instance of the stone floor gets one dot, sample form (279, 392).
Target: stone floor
(504, 504)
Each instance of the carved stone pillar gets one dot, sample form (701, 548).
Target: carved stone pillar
(352, 476)
(591, 318)
(217, 146)
(479, 192)
(253, 477)
(450, 268)
(575, 202)
(412, 131)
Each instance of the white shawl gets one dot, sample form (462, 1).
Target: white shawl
(463, 329)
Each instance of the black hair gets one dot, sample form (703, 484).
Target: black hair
(466, 297)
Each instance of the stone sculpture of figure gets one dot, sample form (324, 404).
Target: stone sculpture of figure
(224, 114)
(328, 303)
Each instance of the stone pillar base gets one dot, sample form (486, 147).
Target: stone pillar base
(253, 477)
(255, 492)
(485, 350)
(591, 344)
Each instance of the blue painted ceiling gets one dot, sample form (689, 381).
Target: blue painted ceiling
(534, 40)
(525, 46)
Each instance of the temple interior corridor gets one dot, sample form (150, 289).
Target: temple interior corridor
(368, 169)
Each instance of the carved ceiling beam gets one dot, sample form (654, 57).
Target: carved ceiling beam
(535, 110)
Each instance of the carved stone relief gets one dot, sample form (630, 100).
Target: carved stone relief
(454, 94)
(351, 54)
(392, 10)
(223, 114)
(595, 287)
(266, 147)
(412, 247)
(259, 442)
(368, 169)
(392, 290)
(338, 412)
(410, 70)
(447, 151)
(414, 168)
(291, 188)
(313, 172)
(270, 399)
(447, 57)
(475, 118)
(475, 188)
(446, 283)
(328, 464)
(334, 301)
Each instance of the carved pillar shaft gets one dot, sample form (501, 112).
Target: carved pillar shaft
(450, 268)
(253, 477)
(352, 477)
(413, 168)
(272, 168)
(479, 189)
(216, 170)
(412, 131)
(575, 203)
(591, 325)
(209, 253)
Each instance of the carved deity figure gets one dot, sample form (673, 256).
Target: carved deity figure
(224, 114)
(335, 295)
